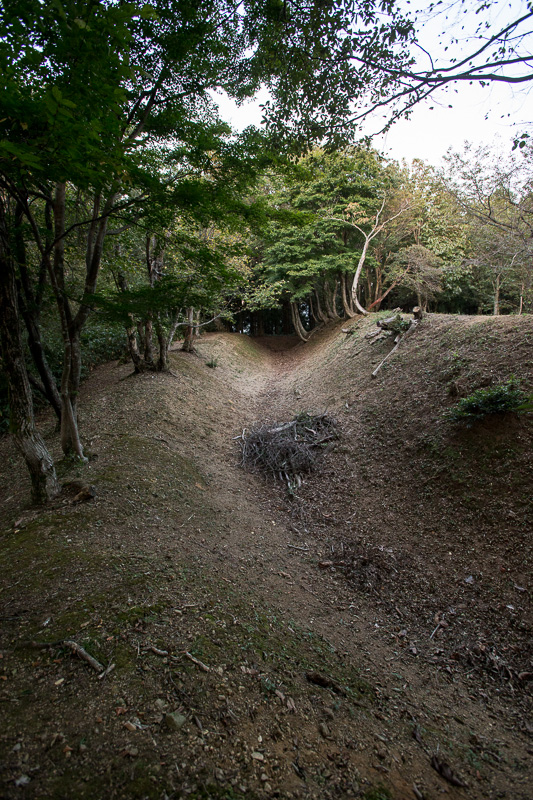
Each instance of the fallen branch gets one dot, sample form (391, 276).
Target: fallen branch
(197, 661)
(157, 651)
(106, 671)
(413, 325)
(75, 648)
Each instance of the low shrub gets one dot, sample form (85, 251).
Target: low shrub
(498, 399)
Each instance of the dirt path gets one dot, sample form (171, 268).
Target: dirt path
(315, 686)
(287, 573)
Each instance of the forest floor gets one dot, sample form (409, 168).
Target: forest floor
(369, 636)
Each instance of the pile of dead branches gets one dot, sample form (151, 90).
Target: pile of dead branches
(288, 450)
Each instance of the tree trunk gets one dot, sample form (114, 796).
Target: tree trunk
(31, 320)
(329, 301)
(297, 322)
(148, 344)
(188, 342)
(44, 482)
(71, 326)
(347, 306)
(497, 288)
(312, 310)
(133, 347)
(356, 277)
(174, 328)
(320, 314)
(162, 360)
(29, 303)
(334, 299)
(378, 286)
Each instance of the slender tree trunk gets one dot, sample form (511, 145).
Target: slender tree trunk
(148, 343)
(320, 314)
(133, 347)
(379, 284)
(162, 360)
(297, 322)
(30, 443)
(30, 307)
(497, 289)
(70, 441)
(312, 310)
(188, 342)
(355, 284)
(173, 329)
(326, 293)
(347, 306)
(49, 387)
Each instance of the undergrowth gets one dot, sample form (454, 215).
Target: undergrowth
(499, 399)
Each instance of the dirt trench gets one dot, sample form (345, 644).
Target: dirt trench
(316, 686)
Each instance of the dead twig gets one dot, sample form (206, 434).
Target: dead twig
(157, 651)
(197, 661)
(290, 449)
(106, 671)
(76, 648)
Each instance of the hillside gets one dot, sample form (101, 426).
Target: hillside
(368, 637)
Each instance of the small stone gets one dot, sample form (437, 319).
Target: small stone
(23, 780)
(258, 756)
(219, 775)
(82, 747)
(175, 721)
(267, 787)
(160, 704)
(328, 712)
(264, 777)
(324, 730)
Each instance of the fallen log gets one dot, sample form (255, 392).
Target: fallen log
(412, 326)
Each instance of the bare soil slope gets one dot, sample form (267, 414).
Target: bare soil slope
(370, 637)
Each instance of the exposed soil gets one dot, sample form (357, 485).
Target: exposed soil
(368, 636)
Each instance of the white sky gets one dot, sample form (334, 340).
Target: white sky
(481, 115)
(428, 134)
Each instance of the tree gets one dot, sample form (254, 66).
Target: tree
(374, 226)
(22, 423)
(421, 271)
(496, 194)
(481, 42)
(321, 245)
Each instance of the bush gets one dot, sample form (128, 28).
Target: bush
(497, 399)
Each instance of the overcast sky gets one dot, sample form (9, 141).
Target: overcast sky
(428, 134)
(481, 115)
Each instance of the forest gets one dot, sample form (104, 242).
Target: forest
(265, 399)
(132, 215)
